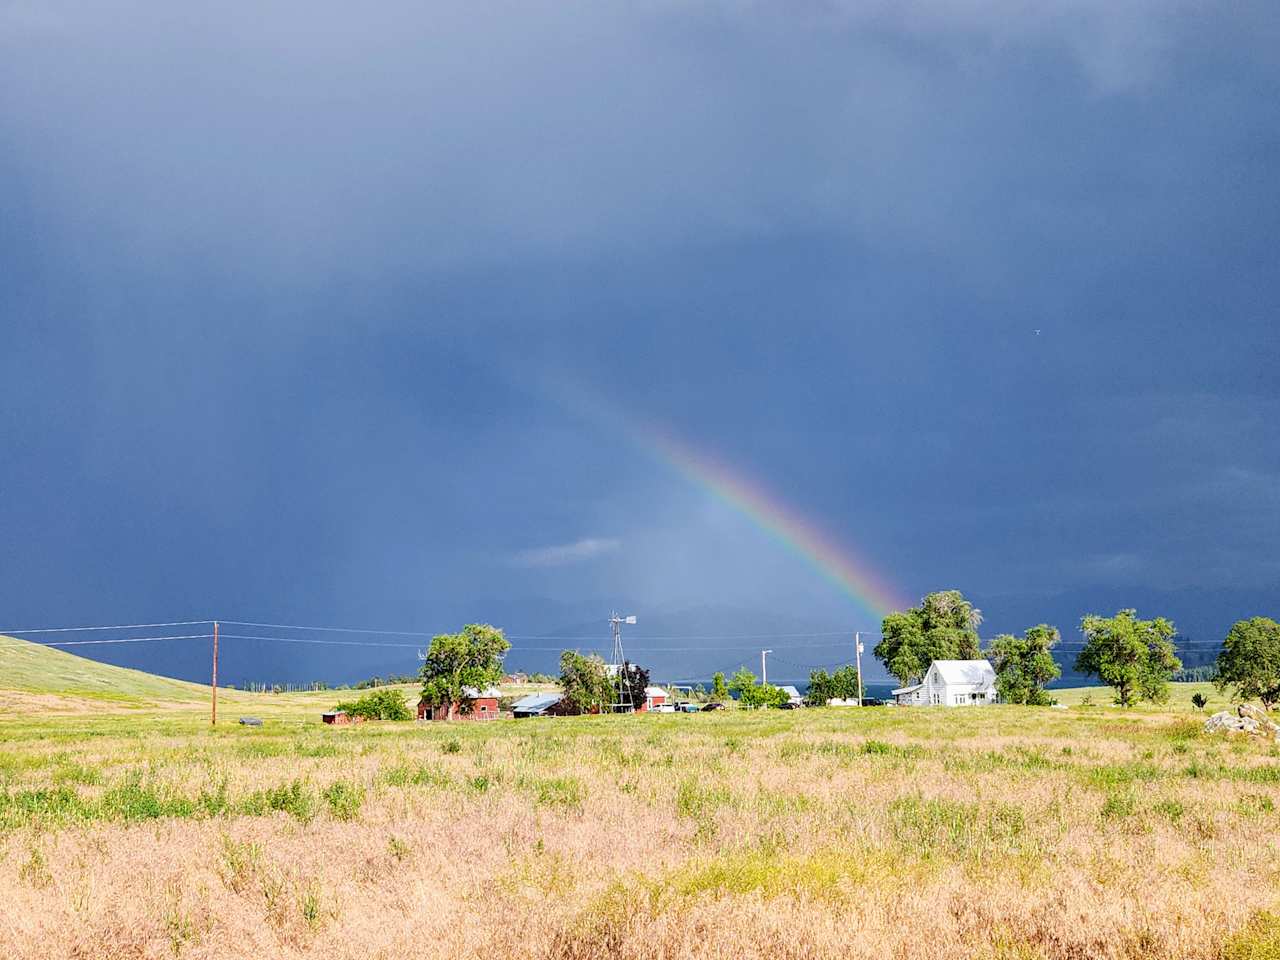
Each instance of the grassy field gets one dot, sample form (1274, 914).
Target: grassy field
(135, 830)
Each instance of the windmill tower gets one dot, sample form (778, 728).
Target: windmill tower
(624, 702)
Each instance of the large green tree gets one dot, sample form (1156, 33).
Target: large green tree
(1135, 657)
(1025, 664)
(471, 658)
(943, 627)
(1249, 662)
(585, 682)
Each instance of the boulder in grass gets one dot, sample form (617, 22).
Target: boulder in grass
(1246, 719)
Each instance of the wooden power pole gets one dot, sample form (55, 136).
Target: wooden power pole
(213, 719)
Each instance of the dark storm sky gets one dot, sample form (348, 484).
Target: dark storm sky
(291, 302)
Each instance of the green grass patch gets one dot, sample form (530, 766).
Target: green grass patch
(952, 828)
(345, 798)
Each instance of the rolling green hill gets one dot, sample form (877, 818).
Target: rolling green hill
(33, 668)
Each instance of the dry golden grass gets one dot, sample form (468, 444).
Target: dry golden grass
(1002, 832)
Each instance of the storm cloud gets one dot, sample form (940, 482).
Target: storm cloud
(986, 290)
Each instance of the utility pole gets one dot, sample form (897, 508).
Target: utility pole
(213, 720)
(857, 655)
(764, 670)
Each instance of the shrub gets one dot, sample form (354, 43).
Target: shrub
(344, 798)
(384, 704)
(295, 798)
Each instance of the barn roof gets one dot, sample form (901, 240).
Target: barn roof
(536, 702)
(965, 671)
(911, 689)
(654, 692)
(791, 692)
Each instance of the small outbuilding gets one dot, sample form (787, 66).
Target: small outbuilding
(338, 718)
(952, 683)
(655, 698)
(537, 705)
(793, 695)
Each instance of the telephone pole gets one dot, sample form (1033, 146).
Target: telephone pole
(764, 670)
(213, 719)
(857, 655)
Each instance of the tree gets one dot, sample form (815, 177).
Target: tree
(1199, 701)
(458, 661)
(822, 688)
(943, 627)
(1250, 661)
(585, 682)
(719, 691)
(632, 683)
(845, 681)
(1135, 657)
(752, 694)
(1025, 664)
(763, 695)
(742, 679)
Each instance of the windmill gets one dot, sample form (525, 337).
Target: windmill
(625, 703)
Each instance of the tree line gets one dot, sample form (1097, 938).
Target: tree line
(1137, 658)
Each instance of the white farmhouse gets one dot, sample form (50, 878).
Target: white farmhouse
(951, 683)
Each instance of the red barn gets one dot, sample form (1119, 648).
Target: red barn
(479, 705)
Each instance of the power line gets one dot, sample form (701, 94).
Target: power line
(127, 626)
(517, 636)
(327, 643)
(79, 643)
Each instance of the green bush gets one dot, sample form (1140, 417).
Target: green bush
(385, 704)
(344, 798)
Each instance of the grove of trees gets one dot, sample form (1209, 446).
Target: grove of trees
(823, 686)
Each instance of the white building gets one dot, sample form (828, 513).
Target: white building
(951, 683)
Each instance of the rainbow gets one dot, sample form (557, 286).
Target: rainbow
(851, 574)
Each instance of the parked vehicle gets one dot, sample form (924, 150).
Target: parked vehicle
(712, 706)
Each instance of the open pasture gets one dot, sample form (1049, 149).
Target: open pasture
(997, 832)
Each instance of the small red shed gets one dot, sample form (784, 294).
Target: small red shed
(654, 698)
